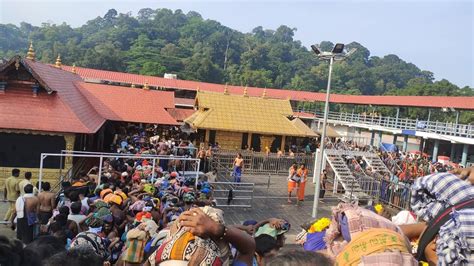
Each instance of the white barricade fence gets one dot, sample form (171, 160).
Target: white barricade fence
(187, 163)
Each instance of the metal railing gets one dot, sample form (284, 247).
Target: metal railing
(231, 194)
(260, 163)
(395, 194)
(442, 128)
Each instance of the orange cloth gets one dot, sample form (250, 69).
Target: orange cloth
(301, 191)
(303, 173)
(291, 186)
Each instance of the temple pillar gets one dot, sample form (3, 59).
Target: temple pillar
(283, 140)
(435, 150)
(452, 155)
(70, 140)
(372, 138)
(465, 149)
(249, 140)
(405, 143)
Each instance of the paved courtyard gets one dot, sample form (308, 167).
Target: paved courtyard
(269, 201)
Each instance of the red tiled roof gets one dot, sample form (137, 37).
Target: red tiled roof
(20, 110)
(62, 82)
(184, 101)
(418, 101)
(128, 104)
(303, 115)
(180, 114)
(63, 109)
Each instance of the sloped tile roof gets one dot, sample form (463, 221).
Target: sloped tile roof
(129, 104)
(180, 114)
(303, 127)
(62, 109)
(20, 110)
(183, 102)
(307, 96)
(228, 112)
(304, 115)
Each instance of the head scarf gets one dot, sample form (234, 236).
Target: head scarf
(434, 193)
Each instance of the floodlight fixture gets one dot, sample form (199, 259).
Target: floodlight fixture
(444, 109)
(315, 49)
(337, 54)
(351, 51)
(338, 48)
(452, 109)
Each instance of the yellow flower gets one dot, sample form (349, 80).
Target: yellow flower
(378, 208)
(319, 225)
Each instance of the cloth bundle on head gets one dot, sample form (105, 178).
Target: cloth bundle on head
(112, 198)
(149, 188)
(181, 246)
(267, 229)
(434, 193)
(189, 197)
(105, 192)
(137, 205)
(351, 222)
(404, 217)
(313, 239)
(103, 214)
(91, 241)
(94, 222)
(143, 217)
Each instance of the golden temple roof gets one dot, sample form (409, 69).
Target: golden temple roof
(229, 112)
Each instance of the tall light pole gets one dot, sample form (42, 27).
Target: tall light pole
(337, 54)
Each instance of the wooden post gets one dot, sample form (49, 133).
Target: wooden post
(249, 141)
(206, 137)
(283, 139)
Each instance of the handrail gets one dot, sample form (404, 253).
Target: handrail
(444, 128)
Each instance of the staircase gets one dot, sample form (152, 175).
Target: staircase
(377, 165)
(353, 190)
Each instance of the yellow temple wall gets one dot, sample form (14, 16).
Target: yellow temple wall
(229, 140)
(49, 175)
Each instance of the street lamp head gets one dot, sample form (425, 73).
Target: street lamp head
(351, 51)
(315, 49)
(338, 48)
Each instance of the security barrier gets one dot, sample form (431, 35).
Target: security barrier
(260, 163)
(231, 194)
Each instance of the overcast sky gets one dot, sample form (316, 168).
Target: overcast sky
(434, 35)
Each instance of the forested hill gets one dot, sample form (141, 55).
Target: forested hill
(159, 41)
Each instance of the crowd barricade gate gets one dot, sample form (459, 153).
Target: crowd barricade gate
(193, 162)
(260, 163)
(242, 194)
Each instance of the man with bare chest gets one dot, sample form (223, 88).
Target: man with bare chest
(47, 203)
(26, 207)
